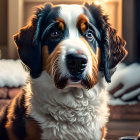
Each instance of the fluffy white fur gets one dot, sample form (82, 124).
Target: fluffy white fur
(70, 14)
(69, 114)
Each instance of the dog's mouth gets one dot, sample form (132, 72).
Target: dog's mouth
(74, 82)
(78, 82)
(77, 78)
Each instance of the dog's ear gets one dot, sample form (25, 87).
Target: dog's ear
(117, 51)
(29, 43)
(113, 50)
(112, 46)
(29, 50)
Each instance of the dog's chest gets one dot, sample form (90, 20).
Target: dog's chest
(64, 131)
(71, 115)
(83, 129)
(70, 125)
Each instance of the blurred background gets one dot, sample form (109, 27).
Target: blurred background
(124, 16)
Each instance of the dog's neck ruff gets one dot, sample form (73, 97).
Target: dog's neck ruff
(72, 113)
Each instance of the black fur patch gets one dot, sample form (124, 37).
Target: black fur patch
(19, 117)
(3, 121)
(29, 39)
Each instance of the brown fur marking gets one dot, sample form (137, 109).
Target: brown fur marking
(50, 60)
(9, 124)
(95, 65)
(44, 57)
(33, 130)
(103, 133)
(61, 23)
(50, 64)
(117, 48)
(82, 23)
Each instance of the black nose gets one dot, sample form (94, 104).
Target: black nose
(76, 63)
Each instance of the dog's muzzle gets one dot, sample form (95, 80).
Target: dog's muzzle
(76, 65)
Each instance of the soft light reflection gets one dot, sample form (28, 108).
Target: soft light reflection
(97, 2)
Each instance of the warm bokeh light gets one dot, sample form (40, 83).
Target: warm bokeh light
(139, 135)
(97, 2)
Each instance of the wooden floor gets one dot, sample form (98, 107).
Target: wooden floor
(118, 129)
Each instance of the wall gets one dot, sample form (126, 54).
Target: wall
(137, 4)
(131, 16)
(3, 27)
(3, 22)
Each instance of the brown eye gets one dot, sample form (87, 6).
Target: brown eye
(55, 34)
(89, 35)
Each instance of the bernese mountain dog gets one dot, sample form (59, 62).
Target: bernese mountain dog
(71, 52)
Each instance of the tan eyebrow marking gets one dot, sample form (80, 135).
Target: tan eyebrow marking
(82, 23)
(61, 23)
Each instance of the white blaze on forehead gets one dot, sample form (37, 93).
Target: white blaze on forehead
(72, 44)
(70, 14)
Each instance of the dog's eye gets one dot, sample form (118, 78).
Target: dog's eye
(89, 35)
(55, 34)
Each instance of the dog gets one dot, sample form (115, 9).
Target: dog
(71, 52)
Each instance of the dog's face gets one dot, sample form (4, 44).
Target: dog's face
(70, 51)
(72, 43)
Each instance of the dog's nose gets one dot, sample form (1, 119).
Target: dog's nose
(76, 63)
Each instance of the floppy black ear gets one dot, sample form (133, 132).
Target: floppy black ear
(114, 51)
(112, 46)
(29, 43)
(29, 50)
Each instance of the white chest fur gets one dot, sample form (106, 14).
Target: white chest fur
(70, 114)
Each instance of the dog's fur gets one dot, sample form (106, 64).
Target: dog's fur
(52, 105)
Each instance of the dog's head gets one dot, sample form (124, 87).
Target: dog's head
(73, 43)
